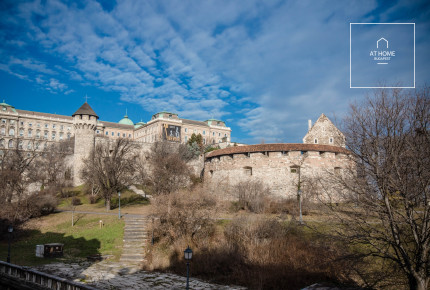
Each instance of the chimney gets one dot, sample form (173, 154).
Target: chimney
(309, 124)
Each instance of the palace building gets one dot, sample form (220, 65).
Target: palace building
(39, 129)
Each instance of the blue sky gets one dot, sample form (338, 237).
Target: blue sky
(264, 67)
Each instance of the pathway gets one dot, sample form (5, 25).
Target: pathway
(136, 238)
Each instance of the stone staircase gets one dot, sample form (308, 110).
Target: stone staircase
(136, 237)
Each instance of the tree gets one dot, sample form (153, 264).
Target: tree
(50, 168)
(110, 167)
(196, 139)
(169, 170)
(15, 167)
(387, 191)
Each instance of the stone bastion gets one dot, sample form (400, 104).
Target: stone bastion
(279, 166)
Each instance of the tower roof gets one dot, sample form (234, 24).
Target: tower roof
(85, 109)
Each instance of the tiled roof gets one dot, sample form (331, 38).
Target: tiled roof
(117, 125)
(192, 122)
(85, 109)
(277, 147)
(44, 114)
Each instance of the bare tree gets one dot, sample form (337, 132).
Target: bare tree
(388, 188)
(110, 167)
(169, 170)
(15, 167)
(50, 168)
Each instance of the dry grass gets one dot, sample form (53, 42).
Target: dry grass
(259, 251)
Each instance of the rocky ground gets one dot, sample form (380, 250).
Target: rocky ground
(111, 275)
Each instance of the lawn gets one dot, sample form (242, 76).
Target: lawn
(85, 238)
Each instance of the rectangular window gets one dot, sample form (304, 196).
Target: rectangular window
(46, 125)
(61, 136)
(119, 134)
(29, 133)
(330, 140)
(204, 132)
(53, 136)
(53, 126)
(107, 133)
(22, 123)
(186, 130)
(46, 135)
(12, 122)
(61, 127)
(113, 134)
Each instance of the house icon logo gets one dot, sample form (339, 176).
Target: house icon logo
(382, 55)
(381, 41)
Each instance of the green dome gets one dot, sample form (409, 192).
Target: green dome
(126, 121)
(139, 124)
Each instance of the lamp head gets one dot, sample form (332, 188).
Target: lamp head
(188, 253)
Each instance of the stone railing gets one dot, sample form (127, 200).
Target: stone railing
(18, 277)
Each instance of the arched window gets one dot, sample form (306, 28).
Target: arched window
(11, 132)
(29, 145)
(3, 131)
(10, 144)
(29, 132)
(21, 132)
(1, 143)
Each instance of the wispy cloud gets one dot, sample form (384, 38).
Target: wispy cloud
(267, 66)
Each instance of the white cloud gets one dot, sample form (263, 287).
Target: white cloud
(272, 64)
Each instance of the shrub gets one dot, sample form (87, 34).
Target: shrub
(185, 215)
(251, 195)
(76, 201)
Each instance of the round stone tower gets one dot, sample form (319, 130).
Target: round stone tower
(84, 123)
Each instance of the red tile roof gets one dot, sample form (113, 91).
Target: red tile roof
(277, 148)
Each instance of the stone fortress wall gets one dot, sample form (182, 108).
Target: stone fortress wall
(279, 166)
(275, 165)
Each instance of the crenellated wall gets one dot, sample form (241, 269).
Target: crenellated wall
(276, 165)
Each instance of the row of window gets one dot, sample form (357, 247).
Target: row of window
(330, 140)
(46, 125)
(21, 145)
(118, 134)
(195, 131)
(30, 133)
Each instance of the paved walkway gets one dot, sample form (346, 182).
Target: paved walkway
(110, 275)
(136, 238)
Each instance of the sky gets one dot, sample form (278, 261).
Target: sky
(263, 67)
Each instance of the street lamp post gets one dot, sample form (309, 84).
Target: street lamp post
(188, 253)
(10, 230)
(119, 204)
(299, 195)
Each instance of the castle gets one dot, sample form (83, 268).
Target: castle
(276, 165)
(34, 130)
